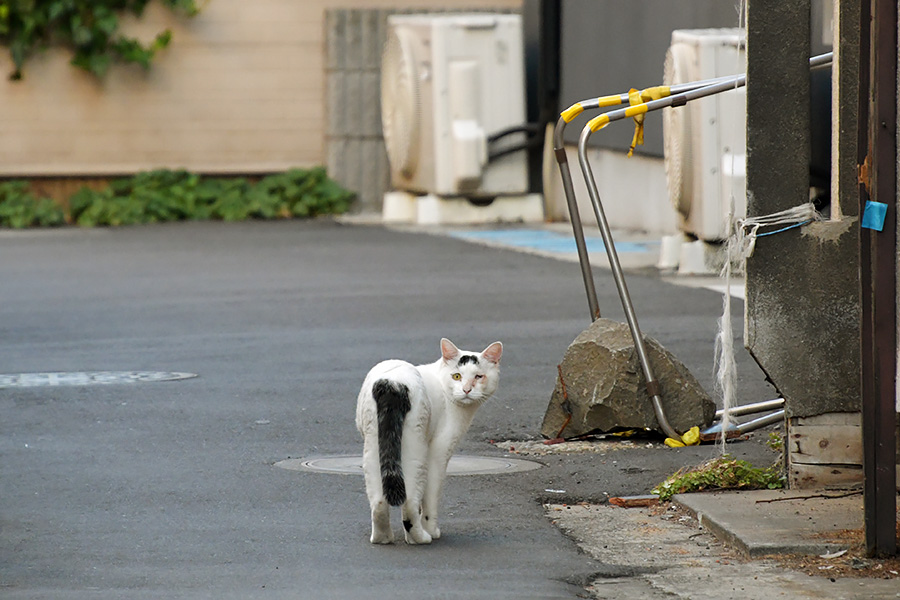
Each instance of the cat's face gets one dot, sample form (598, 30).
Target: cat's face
(470, 377)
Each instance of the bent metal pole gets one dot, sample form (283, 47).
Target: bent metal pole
(576, 109)
(562, 161)
(599, 123)
(619, 277)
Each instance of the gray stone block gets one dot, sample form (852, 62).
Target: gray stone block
(381, 30)
(353, 39)
(353, 165)
(374, 175)
(335, 103)
(335, 31)
(605, 388)
(352, 99)
(336, 163)
(370, 105)
(370, 40)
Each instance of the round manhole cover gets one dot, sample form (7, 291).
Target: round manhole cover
(88, 378)
(459, 465)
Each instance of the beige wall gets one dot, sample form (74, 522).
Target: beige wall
(241, 88)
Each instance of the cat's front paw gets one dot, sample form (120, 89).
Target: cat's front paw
(434, 532)
(417, 535)
(430, 525)
(380, 537)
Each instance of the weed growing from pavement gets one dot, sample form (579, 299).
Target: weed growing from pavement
(775, 441)
(724, 472)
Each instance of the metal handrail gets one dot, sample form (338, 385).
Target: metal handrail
(658, 98)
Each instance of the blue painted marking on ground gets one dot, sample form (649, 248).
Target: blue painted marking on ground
(547, 241)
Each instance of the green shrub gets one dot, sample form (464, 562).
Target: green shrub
(724, 472)
(166, 195)
(20, 209)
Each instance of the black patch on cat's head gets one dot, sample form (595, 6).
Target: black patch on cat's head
(467, 358)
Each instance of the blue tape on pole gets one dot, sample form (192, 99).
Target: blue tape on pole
(873, 215)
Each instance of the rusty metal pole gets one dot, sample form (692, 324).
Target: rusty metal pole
(878, 271)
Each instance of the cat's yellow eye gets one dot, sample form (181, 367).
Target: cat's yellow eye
(456, 376)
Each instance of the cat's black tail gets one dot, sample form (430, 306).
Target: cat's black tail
(392, 401)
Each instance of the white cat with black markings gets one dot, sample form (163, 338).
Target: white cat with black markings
(412, 419)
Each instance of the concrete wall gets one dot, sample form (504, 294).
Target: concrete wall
(241, 88)
(802, 310)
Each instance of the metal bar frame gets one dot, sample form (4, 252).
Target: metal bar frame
(562, 161)
(748, 409)
(680, 98)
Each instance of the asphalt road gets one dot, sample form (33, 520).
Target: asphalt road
(168, 489)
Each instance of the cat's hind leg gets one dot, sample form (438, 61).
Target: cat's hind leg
(414, 453)
(381, 523)
(381, 515)
(412, 524)
(438, 458)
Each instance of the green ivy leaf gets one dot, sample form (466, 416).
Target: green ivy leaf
(106, 21)
(162, 40)
(56, 10)
(88, 27)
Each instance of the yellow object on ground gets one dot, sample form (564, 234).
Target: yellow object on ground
(691, 437)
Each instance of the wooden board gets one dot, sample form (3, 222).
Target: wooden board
(817, 442)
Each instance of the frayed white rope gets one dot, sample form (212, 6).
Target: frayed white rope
(740, 245)
(747, 230)
(724, 364)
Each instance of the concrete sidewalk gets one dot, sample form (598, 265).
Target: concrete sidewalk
(661, 553)
(766, 522)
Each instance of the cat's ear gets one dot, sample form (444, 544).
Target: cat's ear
(493, 352)
(448, 350)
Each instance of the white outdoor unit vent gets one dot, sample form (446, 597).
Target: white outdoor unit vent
(705, 141)
(448, 82)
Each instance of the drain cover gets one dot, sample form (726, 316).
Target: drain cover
(87, 378)
(459, 465)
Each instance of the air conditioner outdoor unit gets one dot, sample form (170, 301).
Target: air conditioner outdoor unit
(448, 83)
(705, 140)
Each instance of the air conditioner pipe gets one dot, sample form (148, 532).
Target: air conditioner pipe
(531, 129)
(532, 142)
(597, 123)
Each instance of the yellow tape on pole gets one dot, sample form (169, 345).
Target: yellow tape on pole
(636, 110)
(598, 123)
(656, 93)
(571, 112)
(609, 101)
(576, 109)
